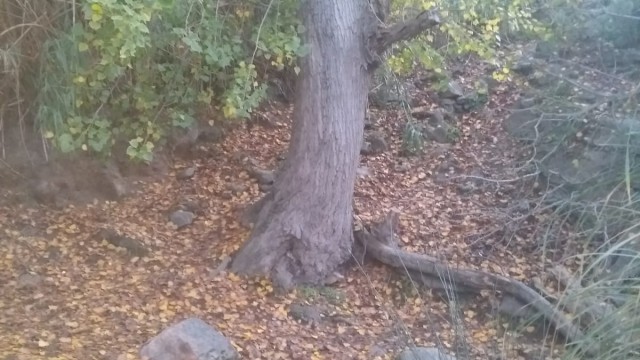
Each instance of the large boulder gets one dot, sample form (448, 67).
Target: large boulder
(190, 339)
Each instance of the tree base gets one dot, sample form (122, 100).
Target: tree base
(290, 245)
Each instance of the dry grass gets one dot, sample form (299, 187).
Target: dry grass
(25, 25)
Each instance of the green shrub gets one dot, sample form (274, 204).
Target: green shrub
(129, 71)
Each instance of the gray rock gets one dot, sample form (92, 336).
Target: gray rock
(424, 353)
(453, 91)
(182, 218)
(376, 351)
(448, 105)
(491, 83)
(190, 339)
(211, 134)
(439, 134)
(466, 188)
(309, 314)
(186, 173)
(402, 167)
(438, 129)
(45, 191)
(191, 205)
(472, 100)
(526, 102)
(540, 79)
(374, 143)
(29, 281)
(264, 177)
(524, 66)
(236, 188)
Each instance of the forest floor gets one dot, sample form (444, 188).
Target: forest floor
(68, 294)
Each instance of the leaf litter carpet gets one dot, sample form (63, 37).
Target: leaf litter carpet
(90, 300)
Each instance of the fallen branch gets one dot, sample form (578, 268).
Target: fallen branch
(378, 241)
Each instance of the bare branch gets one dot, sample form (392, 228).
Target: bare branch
(406, 30)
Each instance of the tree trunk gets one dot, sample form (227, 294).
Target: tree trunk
(304, 229)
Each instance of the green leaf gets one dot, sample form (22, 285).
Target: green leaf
(65, 142)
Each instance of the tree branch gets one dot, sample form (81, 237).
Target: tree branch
(405, 30)
(379, 243)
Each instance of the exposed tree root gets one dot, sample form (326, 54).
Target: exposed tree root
(378, 241)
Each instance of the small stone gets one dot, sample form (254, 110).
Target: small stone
(335, 277)
(376, 351)
(424, 353)
(131, 325)
(402, 167)
(524, 66)
(29, 281)
(306, 313)
(45, 192)
(221, 267)
(453, 91)
(466, 188)
(526, 102)
(182, 218)
(236, 188)
(439, 134)
(191, 205)
(264, 177)
(186, 173)
(448, 105)
(440, 179)
(211, 134)
(374, 143)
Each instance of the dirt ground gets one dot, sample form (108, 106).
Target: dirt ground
(67, 293)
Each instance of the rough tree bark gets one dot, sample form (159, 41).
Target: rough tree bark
(303, 228)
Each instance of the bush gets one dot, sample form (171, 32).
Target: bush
(129, 71)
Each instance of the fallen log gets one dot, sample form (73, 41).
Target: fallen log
(378, 242)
